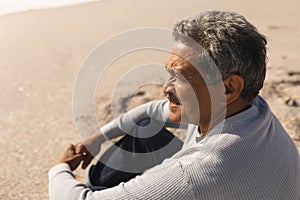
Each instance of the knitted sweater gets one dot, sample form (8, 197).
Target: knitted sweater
(252, 158)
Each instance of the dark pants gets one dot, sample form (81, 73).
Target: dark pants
(152, 150)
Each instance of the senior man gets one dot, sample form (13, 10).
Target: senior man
(235, 147)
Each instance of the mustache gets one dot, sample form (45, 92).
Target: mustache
(173, 98)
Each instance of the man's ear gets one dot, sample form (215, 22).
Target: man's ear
(234, 86)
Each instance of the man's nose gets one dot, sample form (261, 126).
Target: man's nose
(168, 87)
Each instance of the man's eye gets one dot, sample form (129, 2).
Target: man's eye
(171, 77)
(180, 77)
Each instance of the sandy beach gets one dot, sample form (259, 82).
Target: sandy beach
(41, 53)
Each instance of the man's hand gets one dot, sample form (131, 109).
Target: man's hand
(71, 157)
(90, 148)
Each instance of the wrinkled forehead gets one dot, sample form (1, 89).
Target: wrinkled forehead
(184, 51)
(182, 54)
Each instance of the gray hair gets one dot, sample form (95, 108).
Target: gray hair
(234, 45)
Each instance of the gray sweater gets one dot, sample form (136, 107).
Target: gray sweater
(248, 156)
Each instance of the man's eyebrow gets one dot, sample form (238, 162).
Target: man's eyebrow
(173, 70)
(177, 71)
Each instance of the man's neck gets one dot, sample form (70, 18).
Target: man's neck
(234, 108)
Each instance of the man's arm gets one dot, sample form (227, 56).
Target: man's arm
(166, 181)
(157, 111)
(126, 123)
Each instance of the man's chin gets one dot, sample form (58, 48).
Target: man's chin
(177, 116)
(174, 108)
(175, 119)
(175, 113)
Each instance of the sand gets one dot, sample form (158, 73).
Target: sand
(42, 51)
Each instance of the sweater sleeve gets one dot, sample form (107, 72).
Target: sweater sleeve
(156, 111)
(165, 182)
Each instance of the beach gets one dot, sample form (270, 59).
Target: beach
(42, 52)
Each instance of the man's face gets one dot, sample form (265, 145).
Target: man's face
(187, 92)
